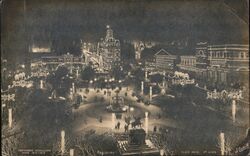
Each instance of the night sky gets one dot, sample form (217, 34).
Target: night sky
(63, 23)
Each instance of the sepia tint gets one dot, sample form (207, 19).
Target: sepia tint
(124, 77)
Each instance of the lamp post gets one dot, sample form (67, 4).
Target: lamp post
(150, 93)
(41, 84)
(73, 87)
(142, 87)
(146, 75)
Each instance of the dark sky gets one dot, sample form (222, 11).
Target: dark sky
(64, 22)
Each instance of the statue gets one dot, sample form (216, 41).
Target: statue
(136, 123)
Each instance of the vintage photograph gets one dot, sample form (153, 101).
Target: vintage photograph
(125, 78)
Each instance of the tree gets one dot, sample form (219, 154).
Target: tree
(157, 78)
(56, 148)
(230, 143)
(117, 72)
(88, 73)
(9, 146)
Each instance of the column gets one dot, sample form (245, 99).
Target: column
(73, 88)
(71, 152)
(150, 93)
(146, 122)
(233, 109)
(62, 141)
(163, 91)
(222, 143)
(77, 73)
(113, 120)
(142, 87)
(146, 75)
(41, 84)
(10, 118)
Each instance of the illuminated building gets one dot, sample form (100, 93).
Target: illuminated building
(110, 50)
(164, 60)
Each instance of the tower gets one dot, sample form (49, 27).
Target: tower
(201, 55)
(109, 49)
(109, 33)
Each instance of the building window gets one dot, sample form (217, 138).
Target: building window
(242, 55)
(221, 54)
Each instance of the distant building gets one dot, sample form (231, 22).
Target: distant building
(187, 62)
(218, 64)
(233, 56)
(139, 47)
(40, 48)
(52, 62)
(150, 65)
(164, 60)
(201, 55)
(4, 72)
(110, 50)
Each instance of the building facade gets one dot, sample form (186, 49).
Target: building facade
(164, 60)
(187, 62)
(110, 50)
(218, 64)
(232, 56)
(52, 62)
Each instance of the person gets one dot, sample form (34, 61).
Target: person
(126, 128)
(155, 128)
(100, 119)
(159, 116)
(118, 125)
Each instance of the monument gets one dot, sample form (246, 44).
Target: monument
(135, 143)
